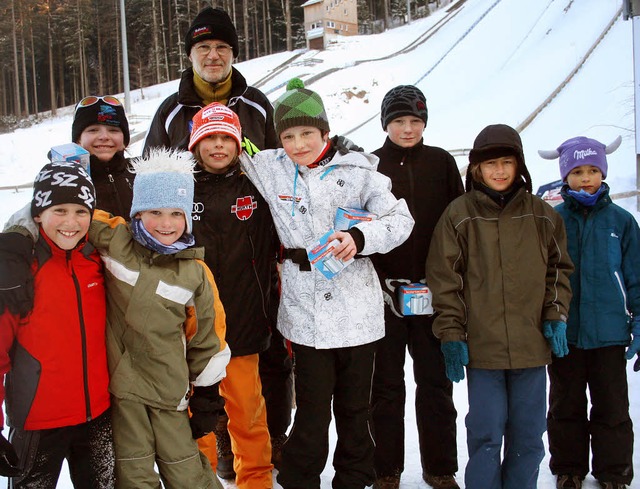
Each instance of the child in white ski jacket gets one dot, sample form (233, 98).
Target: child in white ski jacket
(332, 324)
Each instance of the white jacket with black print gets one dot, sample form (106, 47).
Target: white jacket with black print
(347, 310)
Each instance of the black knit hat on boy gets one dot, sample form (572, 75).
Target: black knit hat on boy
(299, 106)
(212, 23)
(403, 100)
(105, 110)
(61, 182)
(496, 141)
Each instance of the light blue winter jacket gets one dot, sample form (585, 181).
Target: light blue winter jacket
(604, 245)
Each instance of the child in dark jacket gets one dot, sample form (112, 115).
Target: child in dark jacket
(233, 223)
(499, 272)
(101, 127)
(427, 177)
(604, 240)
(54, 357)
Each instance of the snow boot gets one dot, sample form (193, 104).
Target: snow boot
(223, 448)
(440, 481)
(276, 449)
(569, 481)
(387, 482)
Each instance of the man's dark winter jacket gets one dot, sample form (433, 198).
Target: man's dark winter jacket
(427, 177)
(171, 125)
(114, 184)
(233, 223)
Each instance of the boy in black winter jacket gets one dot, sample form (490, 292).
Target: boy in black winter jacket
(233, 223)
(427, 177)
(101, 127)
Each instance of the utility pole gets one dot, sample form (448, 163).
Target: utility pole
(125, 59)
(632, 11)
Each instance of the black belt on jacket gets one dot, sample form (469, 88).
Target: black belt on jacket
(297, 255)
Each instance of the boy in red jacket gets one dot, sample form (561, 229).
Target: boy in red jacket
(53, 354)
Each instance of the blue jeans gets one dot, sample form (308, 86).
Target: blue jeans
(509, 404)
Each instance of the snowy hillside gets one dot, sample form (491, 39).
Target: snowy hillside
(478, 62)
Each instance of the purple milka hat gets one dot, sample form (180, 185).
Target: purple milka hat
(580, 151)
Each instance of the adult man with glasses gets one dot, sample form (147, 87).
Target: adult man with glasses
(211, 44)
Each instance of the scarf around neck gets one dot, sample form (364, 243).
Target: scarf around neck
(142, 236)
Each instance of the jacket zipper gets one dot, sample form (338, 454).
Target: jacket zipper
(255, 272)
(624, 296)
(83, 336)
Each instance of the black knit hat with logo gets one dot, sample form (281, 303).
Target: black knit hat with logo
(62, 182)
(403, 100)
(212, 23)
(99, 113)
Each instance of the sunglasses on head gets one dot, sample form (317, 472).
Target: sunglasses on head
(94, 99)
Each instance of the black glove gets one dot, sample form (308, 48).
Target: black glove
(636, 365)
(205, 404)
(16, 280)
(344, 145)
(9, 462)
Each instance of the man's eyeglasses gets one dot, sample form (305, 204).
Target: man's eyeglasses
(94, 99)
(223, 50)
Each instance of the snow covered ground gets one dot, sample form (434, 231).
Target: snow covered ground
(485, 62)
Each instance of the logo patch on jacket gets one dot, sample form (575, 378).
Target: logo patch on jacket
(243, 209)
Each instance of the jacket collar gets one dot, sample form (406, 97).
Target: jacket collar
(500, 198)
(603, 201)
(100, 168)
(187, 92)
(399, 150)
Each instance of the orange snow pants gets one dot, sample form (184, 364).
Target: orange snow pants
(250, 441)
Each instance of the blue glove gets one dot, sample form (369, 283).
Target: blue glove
(456, 356)
(556, 334)
(634, 347)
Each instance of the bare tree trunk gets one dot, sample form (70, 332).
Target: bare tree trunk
(52, 84)
(245, 21)
(23, 55)
(33, 71)
(17, 110)
(385, 4)
(118, 47)
(164, 44)
(99, 48)
(178, 35)
(265, 36)
(287, 20)
(255, 33)
(83, 85)
(156, 47)
(61, 70)
(3, 90)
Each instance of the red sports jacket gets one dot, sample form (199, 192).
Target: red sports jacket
(55, 359)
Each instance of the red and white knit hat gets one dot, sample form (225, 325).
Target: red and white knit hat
(215, 118)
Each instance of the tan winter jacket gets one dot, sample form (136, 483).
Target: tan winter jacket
(496, 274)
(165, 322)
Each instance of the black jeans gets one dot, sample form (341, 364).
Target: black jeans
(276, 375)
(608, 426)
(341, 375)
(87, 447)
(435, 411)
